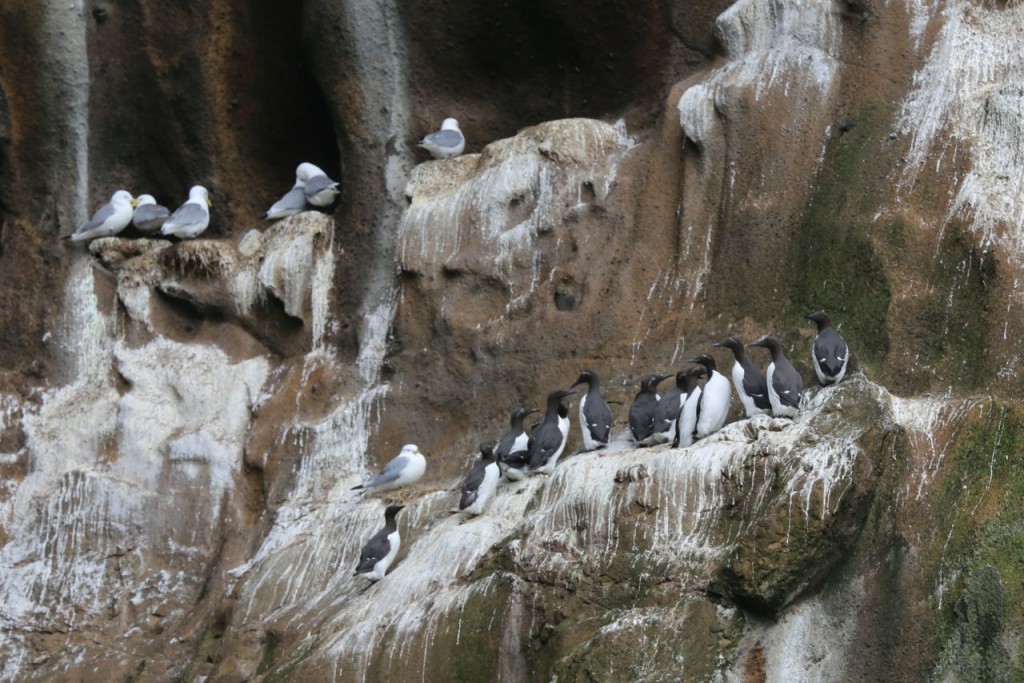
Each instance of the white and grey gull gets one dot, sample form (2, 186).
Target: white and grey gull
(405, 468)
(108, 220)
(445, 143)
(312, 188)
(191, 218)
(149, 216)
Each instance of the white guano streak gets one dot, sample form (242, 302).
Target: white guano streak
(970, 95)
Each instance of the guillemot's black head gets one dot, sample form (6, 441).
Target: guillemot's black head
(732, 343)
(821, 319)
(705, 360)
(487, 450)
(691, 376)
(556, 396)
(391, 511)
(650, 383)
(588, 377)
(770, 343)
(519, 414)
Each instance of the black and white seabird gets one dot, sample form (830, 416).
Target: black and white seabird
(482, 481)
(380, 551)
(548, 441)
(516, 438)
(595, 417)
(641, 413)
(512, 452)
(830, 353)
(748, 380)
(516, 465)
(785, 388)
(714, 399)
(405, 468)
(686, 425)
(666, 413)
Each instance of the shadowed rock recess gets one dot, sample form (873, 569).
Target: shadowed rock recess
(182, 423)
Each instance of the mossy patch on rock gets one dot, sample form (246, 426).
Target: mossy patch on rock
(978, 569)
(977, 652)
(840, 269)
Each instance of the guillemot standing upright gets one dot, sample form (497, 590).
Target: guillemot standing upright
(714, 399)
(380, 551)
(548, 441)
(785, 387)
(641, 413)
(595, 417)
(516, 438)
(830, 353)
(690, 410)
(666, 413)
(748, 380)
(480, 484)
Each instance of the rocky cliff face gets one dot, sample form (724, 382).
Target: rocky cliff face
(181, 424)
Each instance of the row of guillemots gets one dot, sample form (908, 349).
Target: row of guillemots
(313, 189)
(685, 413)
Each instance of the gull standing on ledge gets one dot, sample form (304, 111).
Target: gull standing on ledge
(192, 217)
(149, 216)
(405, 468)
(445, 143)
(318, 189)
(293, 201)
(109, 219)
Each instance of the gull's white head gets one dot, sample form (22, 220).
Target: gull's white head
(306, 170)
(198, 195)
(122, 197)
(411, 448)
(450, 124)
(145, 199)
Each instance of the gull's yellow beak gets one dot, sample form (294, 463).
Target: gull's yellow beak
(134, 202)
(208, 202)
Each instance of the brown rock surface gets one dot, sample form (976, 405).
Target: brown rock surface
(181, 424)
